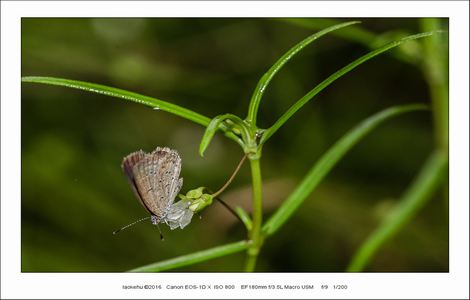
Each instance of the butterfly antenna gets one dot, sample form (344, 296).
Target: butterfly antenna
(129, 225)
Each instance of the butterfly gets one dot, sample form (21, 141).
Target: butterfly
(154, 179)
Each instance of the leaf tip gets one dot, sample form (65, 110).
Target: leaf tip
(202, 149)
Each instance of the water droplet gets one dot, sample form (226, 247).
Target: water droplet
(156, 108)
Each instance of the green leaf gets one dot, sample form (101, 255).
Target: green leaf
(197, 205)
(362, 36)
(244, 217)
(232, 126)
(420, 191)
(211, 129)
(194, 258)
(123, 94)
(338, 74)
(354, 34)
(195, 193)
(328, 161)
(266, 78)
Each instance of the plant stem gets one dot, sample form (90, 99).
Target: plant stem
(255, 232)
(231, 178)
(435, 70)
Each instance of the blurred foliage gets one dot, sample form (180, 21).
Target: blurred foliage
(74, 193)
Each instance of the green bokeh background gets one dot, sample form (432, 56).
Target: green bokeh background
(74, 193)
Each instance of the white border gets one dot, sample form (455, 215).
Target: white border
(361, 285)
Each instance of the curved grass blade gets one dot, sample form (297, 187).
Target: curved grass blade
(328, 161)
(420, 191)
(244, 217)
(361, 36)
(209, 133)
(194, 258)
(302, 101)
(123, 94)
(217, 123)
(353, 34)
(266, 78)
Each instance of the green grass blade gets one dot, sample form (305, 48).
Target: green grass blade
(266, 78)
(218, 123)
(209, 133)
(123, 94)
(420, 191)
(194, 258)
(328, 161)
(244, 217)
(354, 34)
(302, 101)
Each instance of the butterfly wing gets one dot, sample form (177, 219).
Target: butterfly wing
(127, 165)
(155, 179)
(170, 172)
(179, 215)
